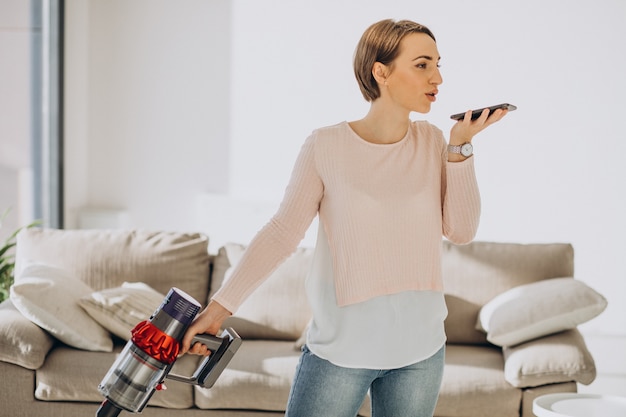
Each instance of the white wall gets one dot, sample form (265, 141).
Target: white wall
(168, 119)
(17, 34)
(147, 85)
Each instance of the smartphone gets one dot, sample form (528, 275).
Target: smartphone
(476, 113)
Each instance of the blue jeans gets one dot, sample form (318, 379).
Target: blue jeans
(323, 389)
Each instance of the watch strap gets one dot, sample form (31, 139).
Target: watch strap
(466, 149)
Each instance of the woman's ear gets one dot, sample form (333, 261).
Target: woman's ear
(379, 72)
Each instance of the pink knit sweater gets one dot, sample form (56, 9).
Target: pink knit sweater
(384, 207)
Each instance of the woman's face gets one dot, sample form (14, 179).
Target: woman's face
(414, 75)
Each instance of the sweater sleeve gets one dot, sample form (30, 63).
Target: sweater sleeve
(280, 237)
(461, 200)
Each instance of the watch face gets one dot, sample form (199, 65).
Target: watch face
(467, 149)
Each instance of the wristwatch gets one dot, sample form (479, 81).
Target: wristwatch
(466, 149)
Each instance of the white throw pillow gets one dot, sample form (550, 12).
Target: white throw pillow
(48, 296)
(119, 309)
(533, 310)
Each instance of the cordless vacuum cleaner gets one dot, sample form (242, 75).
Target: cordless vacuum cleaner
(149, 356)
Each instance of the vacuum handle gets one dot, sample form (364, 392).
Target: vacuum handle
(213, 343)
(222, 348)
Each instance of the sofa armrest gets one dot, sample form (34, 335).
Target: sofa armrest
(22, 342)
(559, 357)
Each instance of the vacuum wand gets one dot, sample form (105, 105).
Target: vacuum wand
(148, 357)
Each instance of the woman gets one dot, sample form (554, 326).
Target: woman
(386, 189)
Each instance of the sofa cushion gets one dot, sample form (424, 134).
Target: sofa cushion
(278, 309)
(474, 386)
(261, 369)
(21, 341)
(107, 258)
(473, 382)
(119, 309)
(71, 375)
(533, 310)
(561, 357)
(48, 296)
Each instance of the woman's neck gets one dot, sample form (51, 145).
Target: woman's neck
(380, 125)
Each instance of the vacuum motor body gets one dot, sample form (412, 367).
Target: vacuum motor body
(149, 356)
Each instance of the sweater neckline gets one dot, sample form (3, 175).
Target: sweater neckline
(384, 145)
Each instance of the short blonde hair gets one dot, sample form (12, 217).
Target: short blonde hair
(381, 43)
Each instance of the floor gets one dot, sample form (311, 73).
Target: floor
(609, 353)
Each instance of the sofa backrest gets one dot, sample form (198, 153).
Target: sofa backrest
(479, 271)
(107, 258)
(475, 273)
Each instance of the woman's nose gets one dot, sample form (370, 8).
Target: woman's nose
(437, 78)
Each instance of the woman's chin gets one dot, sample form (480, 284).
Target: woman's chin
(422, 110)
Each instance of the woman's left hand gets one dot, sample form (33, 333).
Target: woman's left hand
(464, 130)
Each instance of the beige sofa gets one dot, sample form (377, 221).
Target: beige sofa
(543, 352)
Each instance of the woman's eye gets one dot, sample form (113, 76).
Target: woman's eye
(424, 65)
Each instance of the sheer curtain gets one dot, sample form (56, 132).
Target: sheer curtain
(31, 132)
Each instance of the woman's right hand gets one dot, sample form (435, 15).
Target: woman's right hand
(465, 129)
(208, 321)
